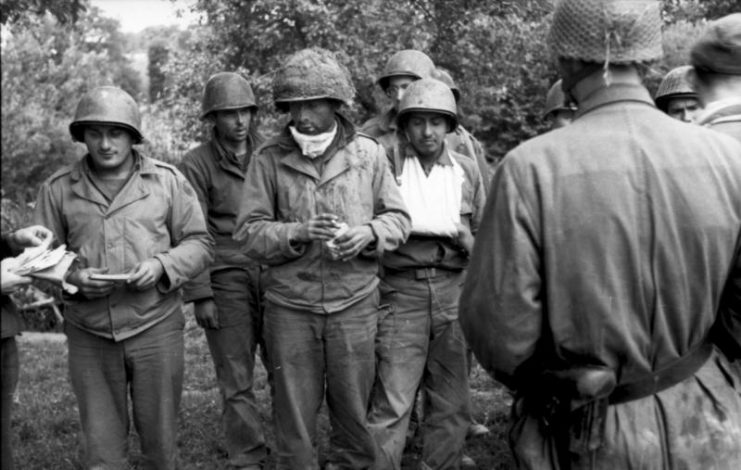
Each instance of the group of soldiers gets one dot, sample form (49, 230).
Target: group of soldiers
(596, 272)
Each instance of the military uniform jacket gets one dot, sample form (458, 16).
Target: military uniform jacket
(612, 242)
(217, 178)
(723, 116)
(440, 252)
(283, 189)
(155, 215)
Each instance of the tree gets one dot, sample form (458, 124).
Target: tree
(65, 12)
(157, 54)
(46, 67)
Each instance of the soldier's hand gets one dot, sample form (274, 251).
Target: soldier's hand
(10, 280)
(90, 288)
(319, 227)
(352, 242)
(465, 237)
(35, 235)
(207, 315)
(146, 274)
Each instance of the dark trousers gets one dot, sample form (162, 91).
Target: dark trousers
(9, 366)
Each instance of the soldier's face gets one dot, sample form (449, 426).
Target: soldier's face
(397, 87)
(313, 117)
(426, 132)
(232, 125)
(109, 147)
(684, 109)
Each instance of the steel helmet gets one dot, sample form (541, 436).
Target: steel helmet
(227, 90)
(409, 63)
(607, 31)
(444, 76)
(107, 105)
(675, 84)
(311, 74)
(428, 95)
(556, 100)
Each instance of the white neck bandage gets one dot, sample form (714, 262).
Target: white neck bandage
(434, 200)
(313, 146)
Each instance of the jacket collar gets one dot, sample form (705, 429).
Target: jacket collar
(82, 186)
(387, 121)
(721, 109)
(605, 95)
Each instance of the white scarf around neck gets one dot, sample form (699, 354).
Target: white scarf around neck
(434, 200)
(313, 146)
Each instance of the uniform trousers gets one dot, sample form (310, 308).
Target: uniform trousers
(312, 355)
(148, 368)
(420, 344)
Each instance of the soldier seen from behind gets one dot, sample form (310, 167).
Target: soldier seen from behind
(607, 252)
(716, 61)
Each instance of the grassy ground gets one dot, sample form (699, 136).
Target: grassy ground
(46, 428)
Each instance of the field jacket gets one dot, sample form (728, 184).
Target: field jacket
(155, 215)
(440, 252)
(284, 189)
(723, 116)
(218, 179)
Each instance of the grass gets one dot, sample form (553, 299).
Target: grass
(46, 428)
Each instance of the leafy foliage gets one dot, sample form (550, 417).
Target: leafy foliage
(46, 67)
(65, 12)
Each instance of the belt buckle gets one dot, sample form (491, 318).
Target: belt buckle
(425, 273)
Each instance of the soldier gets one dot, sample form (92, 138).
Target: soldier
(319, 207)
(676, 96)
(606, 253)
(13, 243)
(716, 58)
(460, 140)
(137, 219)
(402, 68)
(419, 338)
(558, 111)
(227, 296)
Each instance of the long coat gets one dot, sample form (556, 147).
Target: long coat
(610, 243)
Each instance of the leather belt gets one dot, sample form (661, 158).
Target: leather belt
(421, 274)
(676, 372)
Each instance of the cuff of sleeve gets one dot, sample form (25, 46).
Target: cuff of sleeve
(375, 248)
(292, 248)
(166, 284)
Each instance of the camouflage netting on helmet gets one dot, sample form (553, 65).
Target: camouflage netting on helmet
(607, 31)
(676, 83)
(312, 74)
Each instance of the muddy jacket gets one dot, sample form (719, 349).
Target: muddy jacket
(610, 243)
(217, 178)
(155, 215)
(440, 252)
(284, 189)
(723, 116)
